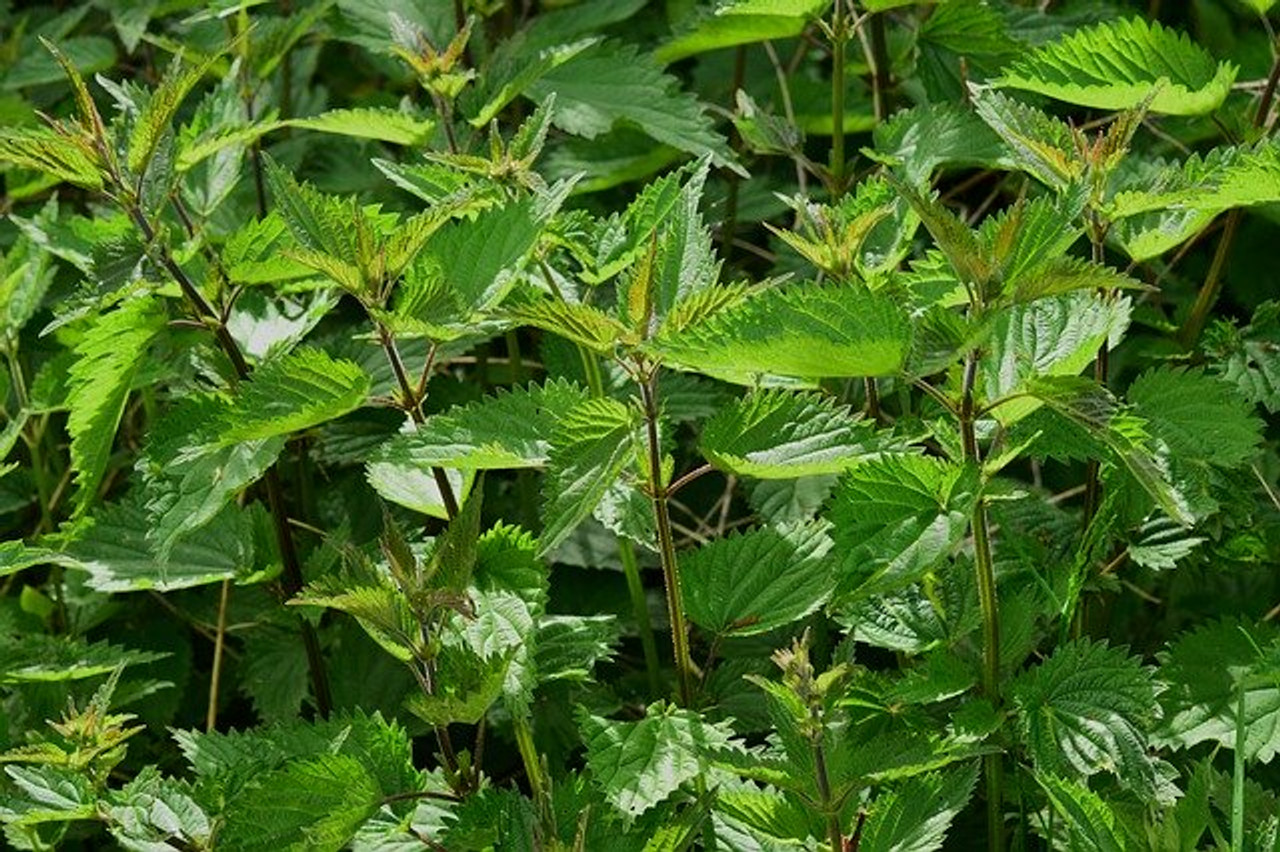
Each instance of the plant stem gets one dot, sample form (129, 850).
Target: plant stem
(666, 541)
(879, 67)
(292, 565)
(1237, 775)
(1101, 373)
(988, 600)
(412, 404)
(1212, 286)
(838, 38)
(834, 834)
(219, 641)
(640, 608)
(533, 768)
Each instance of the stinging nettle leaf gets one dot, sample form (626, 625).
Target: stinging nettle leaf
(510, 430)
(915, 816)
(380, 123)
(759, 580)
(611, 83)
(591, 447)
(1116, 65)
(895, 518)
(1085, 709)
(294, 392)
(775, 434)
(802, 330)
(739, 22)
(639, 764)
(108, 356)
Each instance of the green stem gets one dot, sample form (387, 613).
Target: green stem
(1237, 775)
(1212, 286)
(988, 601)
(640, 608)
(666, 541)
(879, 67)
(838, 38)
(533, 768)
(219, 645)
(834, 834)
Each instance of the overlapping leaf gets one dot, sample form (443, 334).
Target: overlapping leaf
(510, 430)
(756, 581)
(1115, 65)
(803, 330)
(1086, 709)
(894, 519)
(781, 435)
(108, 356)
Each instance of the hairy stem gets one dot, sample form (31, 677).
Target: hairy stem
(1101, 373)
(666, 541)
(292, 565)
(984, 566)
(411, 402)
(1237, 775)
(219, 643)
(823, 780)
(839, 36)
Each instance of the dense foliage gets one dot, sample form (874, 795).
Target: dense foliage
(763, 425)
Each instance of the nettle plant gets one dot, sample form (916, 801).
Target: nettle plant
(911, 505)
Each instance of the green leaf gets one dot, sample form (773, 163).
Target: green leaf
(1090, 406)
(108, 356)
(921, 140)
(312, 804)
(1249, 357)
(39, 658)
(411, 486)
(739, 22)
(1091, 823)
(589, 450)
(639, 764)
(1159, 205)
(1053, 336)
(611, 83)
(478, 256)
(1200, 417)
(569, 646)
(510, 430)
(586, 325)
(915, 817)
(294, 392)
(152, 811)
(468, 685)
(187, 477)
(775, 434)
(894, 519)
(48, 152)
(1084, 710)
(49, 794)
(156, 117)
(380, 123)
(756, 581)
(116, 550)
(1116, 64)
(235, 758)
(680, 264)
(1201, 670)
(1042, 146)
(806, 330)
